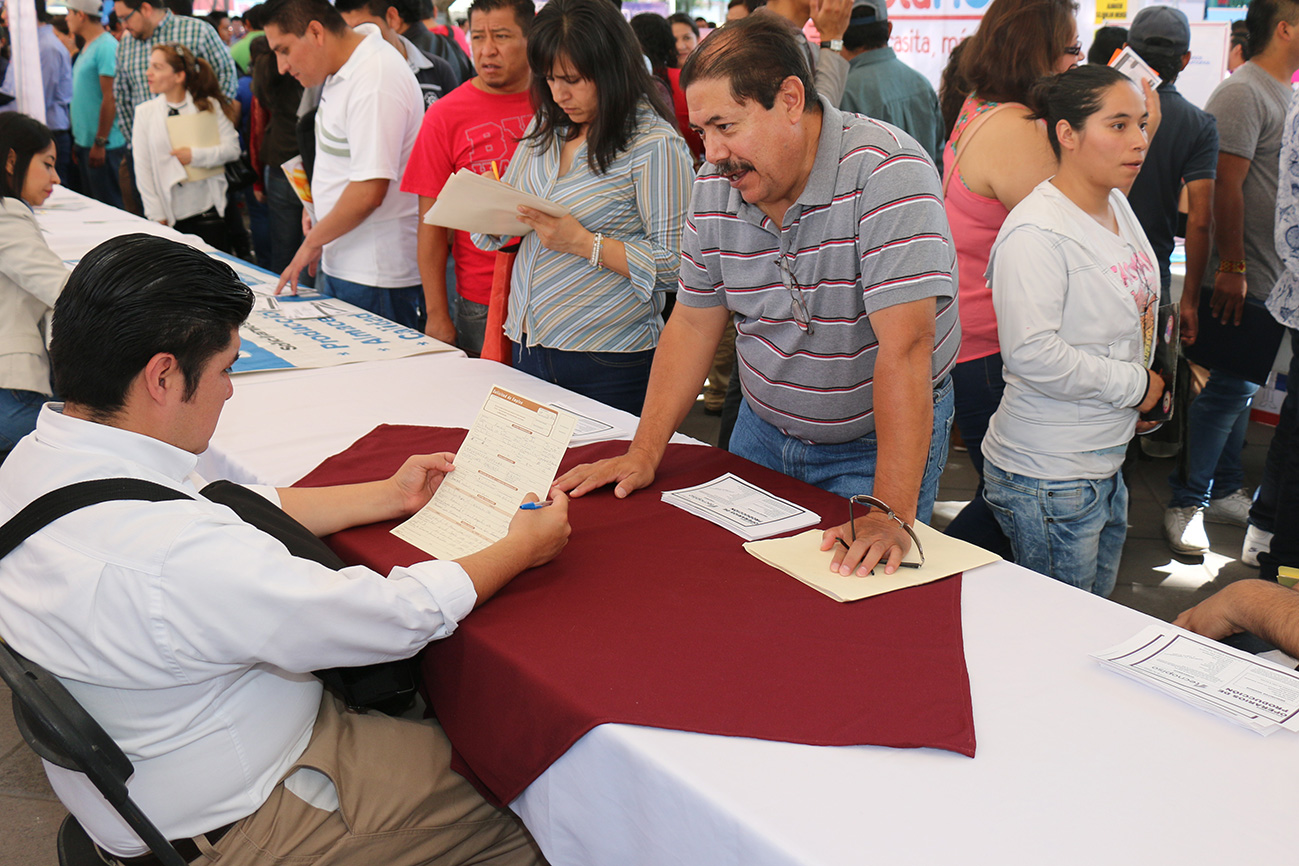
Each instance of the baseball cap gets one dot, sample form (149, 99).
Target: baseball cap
(90, 7)
(1165, 24)
(868, 12)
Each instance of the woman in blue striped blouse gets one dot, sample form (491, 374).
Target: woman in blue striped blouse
(588, 290)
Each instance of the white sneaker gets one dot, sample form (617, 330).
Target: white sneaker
(1256, 541)
(1232, 509)
(1184, 529)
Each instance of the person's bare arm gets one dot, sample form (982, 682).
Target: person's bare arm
(1228, 301)
(986, 168)
(1199, 222)
(360, 198)
(904, 419)
(107, 112)
(325, 510)
(1259, 607)
(431, 255)
(681, 361)
(534, 537)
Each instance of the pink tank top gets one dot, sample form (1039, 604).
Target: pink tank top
(975, 220)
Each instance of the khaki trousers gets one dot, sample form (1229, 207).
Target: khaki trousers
(399, 803)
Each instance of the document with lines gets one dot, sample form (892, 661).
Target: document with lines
(513, 449)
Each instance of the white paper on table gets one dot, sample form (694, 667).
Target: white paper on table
(312, 310)
(1234, 684)
(588, 429)
(473, 203)
(801, 557)
(743, 508)
(1130, 64)
(512, 449)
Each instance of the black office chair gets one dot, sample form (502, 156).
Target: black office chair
(63, 733)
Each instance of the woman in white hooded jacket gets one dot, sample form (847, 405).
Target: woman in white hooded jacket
(185, 85)
(1076, 291)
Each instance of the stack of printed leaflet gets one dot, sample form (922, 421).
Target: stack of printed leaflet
(1246, 689)
(743, 508)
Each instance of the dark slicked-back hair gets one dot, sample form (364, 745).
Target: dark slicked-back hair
(524, 11)
(756, 55)
(129, 299)
(600, 46)
(293, 16)
(1073, 97)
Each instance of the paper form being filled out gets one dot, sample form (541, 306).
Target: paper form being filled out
(513, 449)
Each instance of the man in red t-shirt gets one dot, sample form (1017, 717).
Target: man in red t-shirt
(477, 126)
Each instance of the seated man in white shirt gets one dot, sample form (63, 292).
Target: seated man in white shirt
(190, 635)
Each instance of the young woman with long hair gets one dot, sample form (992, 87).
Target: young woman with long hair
(184, 84)
(1075, 288)
(588, 289)
(31, 274)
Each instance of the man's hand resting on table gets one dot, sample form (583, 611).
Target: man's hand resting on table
(631, 472)
(879, 539)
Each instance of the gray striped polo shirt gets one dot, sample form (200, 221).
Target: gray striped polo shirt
(868, 232)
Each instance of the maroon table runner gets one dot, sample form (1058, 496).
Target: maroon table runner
(652, 616)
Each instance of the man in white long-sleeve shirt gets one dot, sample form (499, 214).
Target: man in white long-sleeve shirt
(190, 635)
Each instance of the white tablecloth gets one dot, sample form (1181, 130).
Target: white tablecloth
(1075, 765)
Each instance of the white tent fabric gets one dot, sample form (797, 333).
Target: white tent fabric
(24, 81)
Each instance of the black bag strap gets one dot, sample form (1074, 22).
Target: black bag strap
(43, 510)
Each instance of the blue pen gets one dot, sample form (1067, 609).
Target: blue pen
(533, 506)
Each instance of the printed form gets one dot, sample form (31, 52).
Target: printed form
(513, 449)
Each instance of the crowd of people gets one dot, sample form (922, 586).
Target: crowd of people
(854, 244)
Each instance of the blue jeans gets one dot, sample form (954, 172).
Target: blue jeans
(471, 326)
(1216, 424)
(405, 306)
(1072, 530)
(68, 174)
(979, 385)
(845, 468)
(18, 411)
(101, 183)
(1276, 504)
(616, 379)
(284, 212)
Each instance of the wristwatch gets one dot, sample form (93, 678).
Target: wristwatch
(101, 142)
(832, 44)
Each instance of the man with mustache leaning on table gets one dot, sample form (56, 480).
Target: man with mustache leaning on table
(824, 235)
(190, 635)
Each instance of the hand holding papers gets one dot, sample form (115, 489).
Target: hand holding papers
(513, 449)
(801, 557)
(735, 504)
(473, 203)
(193, 131)
(1130, 64)
(1240, 687)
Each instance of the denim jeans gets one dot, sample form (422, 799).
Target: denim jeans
(285, 217)
(101, 183)
(1276, 504)
(471, 326)
(1216, 424)
(68, 174)
(1072, 530)
(845, 468)
(405, 306)
(978, 386)
(616, 379)
(18, 411)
